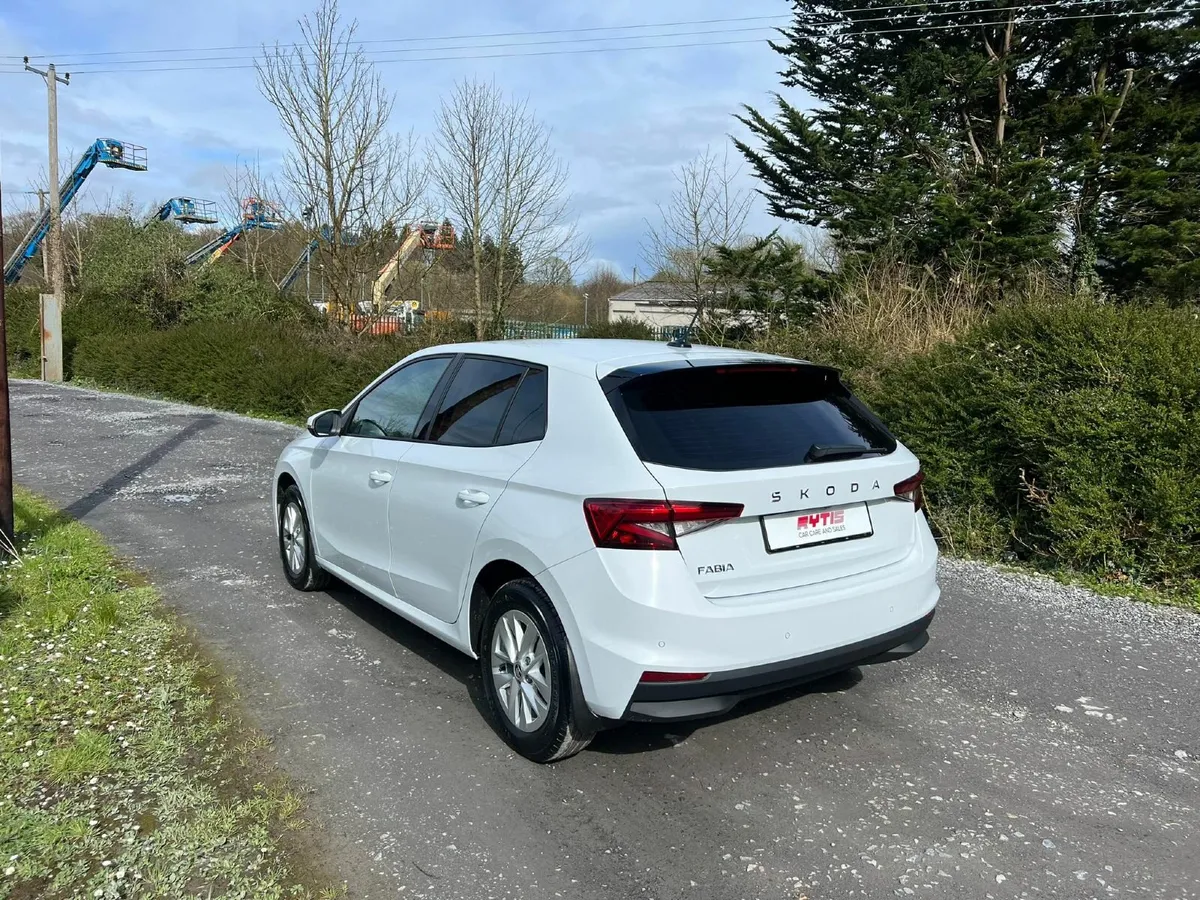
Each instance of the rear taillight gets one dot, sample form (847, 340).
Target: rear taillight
(651, 524)
(910, 489)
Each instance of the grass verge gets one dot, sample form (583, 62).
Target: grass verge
(121, 774)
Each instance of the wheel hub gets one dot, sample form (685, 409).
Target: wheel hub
(520, 668)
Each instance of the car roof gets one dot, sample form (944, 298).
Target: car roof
(595, 356)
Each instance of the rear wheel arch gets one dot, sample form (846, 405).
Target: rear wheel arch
(490, 579)
(493, 576)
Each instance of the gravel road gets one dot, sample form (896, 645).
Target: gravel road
(1045, 744)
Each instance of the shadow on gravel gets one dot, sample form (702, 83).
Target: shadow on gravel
(644, 738)
(458, 666)
(98, 495)
(629, 738)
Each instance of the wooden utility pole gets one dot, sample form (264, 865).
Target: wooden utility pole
(6, 488)
(54, 241)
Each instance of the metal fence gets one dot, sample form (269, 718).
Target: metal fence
(513, 330)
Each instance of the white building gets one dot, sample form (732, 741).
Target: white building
(659, 304)
(654, 303)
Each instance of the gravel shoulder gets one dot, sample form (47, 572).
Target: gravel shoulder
(1045, 743)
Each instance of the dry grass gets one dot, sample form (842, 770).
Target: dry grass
(901, 310)
(887, 311)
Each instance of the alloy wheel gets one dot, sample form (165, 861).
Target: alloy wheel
(521, 670)
(295, 543)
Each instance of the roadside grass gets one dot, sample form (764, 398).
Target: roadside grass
(1181, 596)
(123, 772)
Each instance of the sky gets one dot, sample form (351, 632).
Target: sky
(622, 121)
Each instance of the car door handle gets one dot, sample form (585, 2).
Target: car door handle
(380, 477)
(471, 497)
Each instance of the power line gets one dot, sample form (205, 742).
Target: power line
(576, 51)
(379, 55)
(507, 34)
(446, 37)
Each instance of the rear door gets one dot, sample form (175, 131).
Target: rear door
(814, 470)
(488, 423)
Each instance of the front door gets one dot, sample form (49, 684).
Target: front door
(353, 473)
(486, 427)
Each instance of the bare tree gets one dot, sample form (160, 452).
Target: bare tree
(360, 179)
(602, 285)
(499, 175)
(705, 211)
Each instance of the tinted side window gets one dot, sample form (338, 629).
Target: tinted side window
(526, 419)
(475, 403)
(394, 406)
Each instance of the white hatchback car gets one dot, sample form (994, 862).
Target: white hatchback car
(617, 530)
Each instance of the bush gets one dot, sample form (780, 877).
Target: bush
(22, 331)
(622, 329)
(1068, 432)
(279, 369)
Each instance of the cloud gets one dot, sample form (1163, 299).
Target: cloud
(622, 121)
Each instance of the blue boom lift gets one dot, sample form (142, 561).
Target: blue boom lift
(294, 272)
(348, 240)
(188, 210)
(106, 151)
(255, 214)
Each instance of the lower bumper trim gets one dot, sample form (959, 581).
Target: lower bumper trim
(721, 691)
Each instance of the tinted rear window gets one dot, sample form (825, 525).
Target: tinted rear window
(724, 418)
(526, 418)
(476, 401)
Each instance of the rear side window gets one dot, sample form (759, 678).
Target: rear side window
(475, 402)
(729, 417)
(526, 419)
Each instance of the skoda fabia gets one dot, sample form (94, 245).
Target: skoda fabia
(619, 531)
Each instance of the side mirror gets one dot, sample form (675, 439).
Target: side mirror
(325, 424)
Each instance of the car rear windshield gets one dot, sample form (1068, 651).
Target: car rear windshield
(728, 417)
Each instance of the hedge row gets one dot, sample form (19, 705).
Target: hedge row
(1068, 434)
(1065, 434)
(257, 367)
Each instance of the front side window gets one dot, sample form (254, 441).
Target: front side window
(393, 407)
(475, 403)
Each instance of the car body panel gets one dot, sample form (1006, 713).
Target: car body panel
(435, 514)
(348, 508)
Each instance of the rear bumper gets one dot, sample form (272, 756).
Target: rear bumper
(626, 613)
(721, 691)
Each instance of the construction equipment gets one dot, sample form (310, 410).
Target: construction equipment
(105, 151)
(348, 240)
(427, 235)
(256, 213)
(298, 266)
(188, 210)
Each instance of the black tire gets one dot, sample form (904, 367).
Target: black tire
(300, 568)
(559, 735)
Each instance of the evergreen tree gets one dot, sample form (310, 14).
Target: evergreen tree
(967, 133)
(772, 279)
(1147, 215)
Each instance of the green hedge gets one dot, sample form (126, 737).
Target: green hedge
(1068, 433)
(622, 329)
(1064, 434)
(286, 370)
